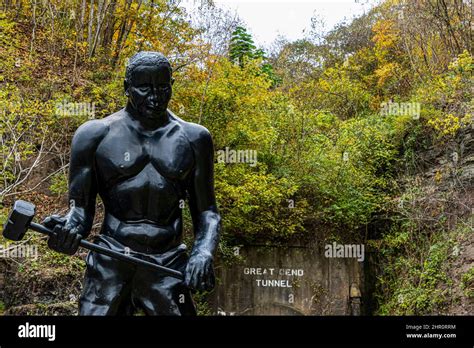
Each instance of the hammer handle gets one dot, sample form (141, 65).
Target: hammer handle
(114, 254)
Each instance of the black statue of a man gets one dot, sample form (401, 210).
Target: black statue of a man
(144, 162)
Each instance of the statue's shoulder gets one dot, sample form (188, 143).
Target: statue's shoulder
(196, 134)
(90, 133)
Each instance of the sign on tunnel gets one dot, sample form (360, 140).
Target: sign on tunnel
(288, 281)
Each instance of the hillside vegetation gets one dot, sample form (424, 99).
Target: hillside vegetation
(363, 133)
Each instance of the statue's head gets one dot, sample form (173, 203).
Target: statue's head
(148, 83)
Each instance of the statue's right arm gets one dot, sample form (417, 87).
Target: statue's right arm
(82, 177)
(77, 223)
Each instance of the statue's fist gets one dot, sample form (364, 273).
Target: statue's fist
(199, 274)
(66, 236)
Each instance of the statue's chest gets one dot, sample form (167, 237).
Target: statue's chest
(123, 154)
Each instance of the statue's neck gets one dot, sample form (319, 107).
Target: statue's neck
(147, 123)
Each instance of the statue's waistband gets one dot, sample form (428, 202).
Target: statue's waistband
(164, 259)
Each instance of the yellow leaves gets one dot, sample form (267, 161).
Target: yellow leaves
(385, 73)
(324, 84)
(385, 34)
(234, 103)
(69, 43)
(447, 97)
(256, 203)
(445, 125)
(339, 93)
(463, 63)
(451, 90)
(467, 120)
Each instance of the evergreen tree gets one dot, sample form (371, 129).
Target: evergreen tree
(242, 46)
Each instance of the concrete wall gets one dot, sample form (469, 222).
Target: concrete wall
(288, 281)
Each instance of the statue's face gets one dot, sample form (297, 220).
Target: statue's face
(149, 90)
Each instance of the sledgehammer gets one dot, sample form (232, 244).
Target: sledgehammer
(20, 220)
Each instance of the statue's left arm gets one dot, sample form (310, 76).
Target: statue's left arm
(199, 273)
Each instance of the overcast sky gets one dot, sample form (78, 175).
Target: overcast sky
(266, 19)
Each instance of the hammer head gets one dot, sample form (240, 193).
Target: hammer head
(19, 220)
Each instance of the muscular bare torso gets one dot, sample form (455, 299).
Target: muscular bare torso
(142, 176)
